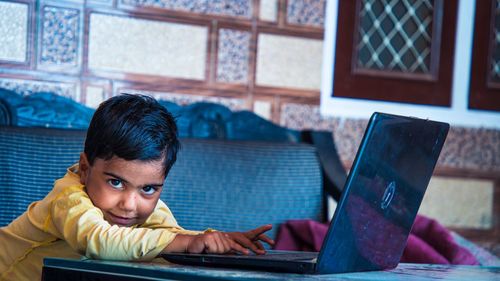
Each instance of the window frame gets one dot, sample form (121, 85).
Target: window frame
(405, 88)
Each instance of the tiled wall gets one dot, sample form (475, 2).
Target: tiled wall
(258, 55)
(263, 52)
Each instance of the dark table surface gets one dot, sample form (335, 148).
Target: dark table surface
(71, 269)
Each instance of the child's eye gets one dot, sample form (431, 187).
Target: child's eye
(115, 183)
(149, 190)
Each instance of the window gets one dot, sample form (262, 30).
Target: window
(485, 67)
(399, 50)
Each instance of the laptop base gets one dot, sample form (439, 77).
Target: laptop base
(274, 261)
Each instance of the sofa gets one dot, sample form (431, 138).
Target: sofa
(235, 170)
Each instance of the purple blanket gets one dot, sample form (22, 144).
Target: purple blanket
(429, 241)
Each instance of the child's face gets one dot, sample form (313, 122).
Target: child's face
(125, 191)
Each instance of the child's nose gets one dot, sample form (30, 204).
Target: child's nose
(129, 201)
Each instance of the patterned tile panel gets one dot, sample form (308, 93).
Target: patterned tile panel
(236, 8)
(472, 148)
(465, 148)
(347, 135)
(13, 31)
(185, 99)
(60, 38)
(304, 116)
(232, 57)
(306, 12)
(289, 62)
(195, 6)
(27, 87)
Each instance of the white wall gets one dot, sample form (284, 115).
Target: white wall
(457, 115)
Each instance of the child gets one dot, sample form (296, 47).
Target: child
(107, 206)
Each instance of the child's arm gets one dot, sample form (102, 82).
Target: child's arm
(222, 242)
(76, 220)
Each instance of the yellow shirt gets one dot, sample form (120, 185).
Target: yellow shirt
(66, 224)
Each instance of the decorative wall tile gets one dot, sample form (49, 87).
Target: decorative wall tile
(465, 148)
(268, 10)
(236, 8)
(289, 62)
(13, 31)
(107, 2)
(459, 202)
(94, 95)
(304, 116)
(232, 57)
(28, 87)
(60, 38)
(185, 99)
(195, 6)
(166, 49)
(346, 135)
(310, 12)
(472, 148)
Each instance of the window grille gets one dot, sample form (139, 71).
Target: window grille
(395, 36)
(495, 54)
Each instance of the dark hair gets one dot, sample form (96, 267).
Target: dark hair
(132, 127)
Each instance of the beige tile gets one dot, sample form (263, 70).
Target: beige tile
(94, 96)
(263, 109)
(13, 31)
(147, 47)
(459, 202)
(268, 10)
(290, 62)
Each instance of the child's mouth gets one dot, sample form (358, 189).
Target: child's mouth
(121, 221)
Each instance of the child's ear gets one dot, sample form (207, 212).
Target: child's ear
(83, 167)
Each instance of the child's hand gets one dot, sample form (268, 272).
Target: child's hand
(225, 242)
(251, 239)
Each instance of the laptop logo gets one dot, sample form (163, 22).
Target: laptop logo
(388, 195)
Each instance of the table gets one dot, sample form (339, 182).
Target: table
(87, 269)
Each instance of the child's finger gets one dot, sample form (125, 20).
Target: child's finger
(226, 242)
(266, 239)
(238, 248)
(247, 243)
(259, 245)
(215, 243)
(254, 233)
(210, 243)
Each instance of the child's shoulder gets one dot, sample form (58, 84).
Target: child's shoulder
(70, 182)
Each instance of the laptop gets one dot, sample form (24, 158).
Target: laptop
(377, 208)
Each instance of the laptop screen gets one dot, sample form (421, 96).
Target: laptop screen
(382, 194)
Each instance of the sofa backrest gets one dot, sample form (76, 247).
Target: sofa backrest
(239, 185)
(236, 170)
(226, 185)
(31, 159)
